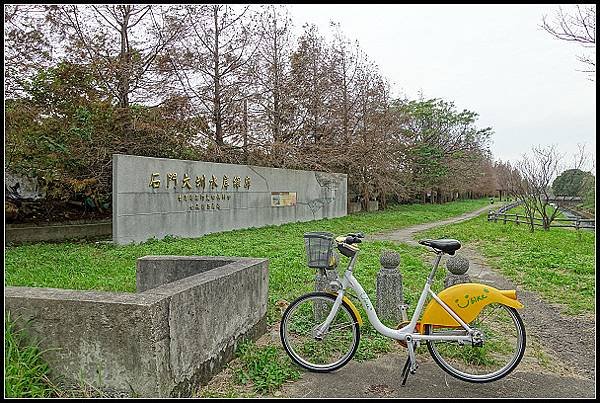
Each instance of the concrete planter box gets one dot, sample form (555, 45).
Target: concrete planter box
(373, 205)
(167, 339)
(354, 207)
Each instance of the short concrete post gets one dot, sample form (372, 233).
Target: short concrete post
(457, 266)
(322, 279)
(389, 302)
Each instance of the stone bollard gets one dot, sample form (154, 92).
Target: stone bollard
(457, 266)
(389, 304)
(322, 279)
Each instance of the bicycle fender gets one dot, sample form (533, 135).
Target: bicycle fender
(347, 301)
(466, 300)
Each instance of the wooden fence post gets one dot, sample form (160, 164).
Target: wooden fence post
(517, 219)
(504, 218)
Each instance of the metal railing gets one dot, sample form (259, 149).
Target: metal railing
(576, 223)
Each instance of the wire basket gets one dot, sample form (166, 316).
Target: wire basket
(319, 250)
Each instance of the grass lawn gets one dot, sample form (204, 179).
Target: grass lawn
(91, 266)
(559, 264)
(108, 267)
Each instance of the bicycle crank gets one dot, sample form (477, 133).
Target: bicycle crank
(401, 325)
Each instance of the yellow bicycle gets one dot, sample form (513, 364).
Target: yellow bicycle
(473, 331)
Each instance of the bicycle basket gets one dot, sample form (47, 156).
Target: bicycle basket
(319, 250)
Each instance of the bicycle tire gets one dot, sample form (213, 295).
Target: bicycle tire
(288, 321)
(513, 359)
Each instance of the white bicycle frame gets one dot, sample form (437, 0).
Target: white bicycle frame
(407, 333)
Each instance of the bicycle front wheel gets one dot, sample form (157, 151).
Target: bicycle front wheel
(310, 349)
(498, 352)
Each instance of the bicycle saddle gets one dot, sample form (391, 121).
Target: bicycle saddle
(448, 246)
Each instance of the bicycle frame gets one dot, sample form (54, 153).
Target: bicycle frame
(407, 333)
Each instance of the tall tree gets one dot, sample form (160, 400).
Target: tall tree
(120, 43)
(212, 65)
(373, 151)
(311, 85)
(441, 142)
(344, 65)
(273, 76)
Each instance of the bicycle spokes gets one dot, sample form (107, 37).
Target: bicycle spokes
(312, 346)
(497, 347)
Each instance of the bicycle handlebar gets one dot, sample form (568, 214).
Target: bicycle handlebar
(351, 238)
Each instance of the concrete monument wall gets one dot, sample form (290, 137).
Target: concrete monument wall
(156, 197)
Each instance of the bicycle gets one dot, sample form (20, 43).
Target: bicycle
(472, 331)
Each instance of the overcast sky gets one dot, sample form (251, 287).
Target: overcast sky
(492, 59)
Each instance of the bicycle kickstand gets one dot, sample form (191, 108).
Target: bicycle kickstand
(411, 363)
(405, 371)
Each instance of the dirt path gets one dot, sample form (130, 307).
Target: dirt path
(570, 339)
(405, 235)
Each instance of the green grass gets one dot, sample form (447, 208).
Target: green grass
(25, 373)
(559, 264)
(90, 266)
(267, 367)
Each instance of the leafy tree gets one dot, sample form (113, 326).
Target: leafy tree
(572, 182)
(442, 145)
(65, 132)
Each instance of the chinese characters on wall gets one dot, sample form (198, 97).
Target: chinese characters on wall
(200, 201)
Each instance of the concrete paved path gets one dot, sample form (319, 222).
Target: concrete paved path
(381, 378)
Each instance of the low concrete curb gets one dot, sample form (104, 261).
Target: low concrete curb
(18, 234)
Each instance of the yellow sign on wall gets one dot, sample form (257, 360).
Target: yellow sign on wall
(282, 199)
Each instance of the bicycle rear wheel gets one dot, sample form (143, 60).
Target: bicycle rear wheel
(500, 351)
(319, 353)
